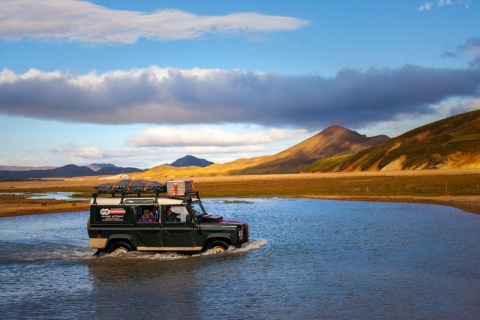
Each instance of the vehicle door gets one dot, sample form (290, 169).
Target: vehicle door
(179, 231)
(148, 233)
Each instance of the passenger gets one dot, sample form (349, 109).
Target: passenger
(147, 216)
(171, 216)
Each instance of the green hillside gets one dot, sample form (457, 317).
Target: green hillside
(453, 142)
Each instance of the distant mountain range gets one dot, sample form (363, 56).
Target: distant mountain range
(94, 169)
(68, 171)
(450, 143)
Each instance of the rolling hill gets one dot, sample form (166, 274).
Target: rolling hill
(333, 141)
(451, 143)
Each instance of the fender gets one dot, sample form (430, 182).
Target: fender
(224, 237)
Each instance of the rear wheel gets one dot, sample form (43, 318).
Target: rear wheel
(119, 248)
(217, 246)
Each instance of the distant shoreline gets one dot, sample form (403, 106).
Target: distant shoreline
(461, 189)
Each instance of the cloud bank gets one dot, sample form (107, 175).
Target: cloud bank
(164, 136)
(84, 22)
(352, 98)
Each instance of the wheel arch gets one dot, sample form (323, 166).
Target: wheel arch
(214, 237)
(121, 238)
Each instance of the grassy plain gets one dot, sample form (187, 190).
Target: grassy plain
(457, 188)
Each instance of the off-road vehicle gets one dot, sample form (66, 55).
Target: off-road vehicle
(115, 223)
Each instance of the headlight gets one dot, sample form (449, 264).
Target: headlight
(240, 234)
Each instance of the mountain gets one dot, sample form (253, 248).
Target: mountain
(188, 161)
(68, 171)
(450, 143)
(333, 141)
(116, 170)
(453, 142)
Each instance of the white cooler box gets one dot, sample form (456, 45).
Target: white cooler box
(179, 187)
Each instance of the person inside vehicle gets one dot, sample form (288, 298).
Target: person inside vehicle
(171, 216)
(147, 216)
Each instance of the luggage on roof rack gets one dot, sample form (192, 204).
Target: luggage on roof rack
(104, 188)
(122, 186)
(127, 186)
(145, 186)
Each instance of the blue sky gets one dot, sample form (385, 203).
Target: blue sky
(142, 83)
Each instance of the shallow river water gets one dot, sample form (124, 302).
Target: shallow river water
(308, 259)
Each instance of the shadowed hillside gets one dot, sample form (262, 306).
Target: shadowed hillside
(67, 171)
(189, 160)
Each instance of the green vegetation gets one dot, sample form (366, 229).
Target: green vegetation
(325, 165)
(452, 141)
(467, 137)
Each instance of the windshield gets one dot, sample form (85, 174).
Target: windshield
(198, 209)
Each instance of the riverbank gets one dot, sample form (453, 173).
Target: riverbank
(456, 188)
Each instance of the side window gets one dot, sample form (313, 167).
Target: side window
(175, 214)
(147, 214)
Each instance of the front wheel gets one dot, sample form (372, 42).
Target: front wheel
(217, 246)
(119, 248)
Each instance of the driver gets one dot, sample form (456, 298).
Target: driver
(171, 216)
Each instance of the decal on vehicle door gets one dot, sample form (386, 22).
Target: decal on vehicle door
(112, 214)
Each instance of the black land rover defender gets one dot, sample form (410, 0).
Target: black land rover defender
(174, 221)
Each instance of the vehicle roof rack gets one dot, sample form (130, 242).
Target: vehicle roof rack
(126, 187)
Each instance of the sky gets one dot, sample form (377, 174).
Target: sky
(143, 83)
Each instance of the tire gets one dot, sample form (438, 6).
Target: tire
(119, 248)
(217, 246)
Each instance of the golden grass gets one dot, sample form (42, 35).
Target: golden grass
(458, 188)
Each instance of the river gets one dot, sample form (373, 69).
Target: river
(308, 259)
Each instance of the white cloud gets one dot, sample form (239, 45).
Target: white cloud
(85, 22)
(164, 144)
(167, 136)
(426, 6)
(442, 3)
(72, 153)
(71, 150)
